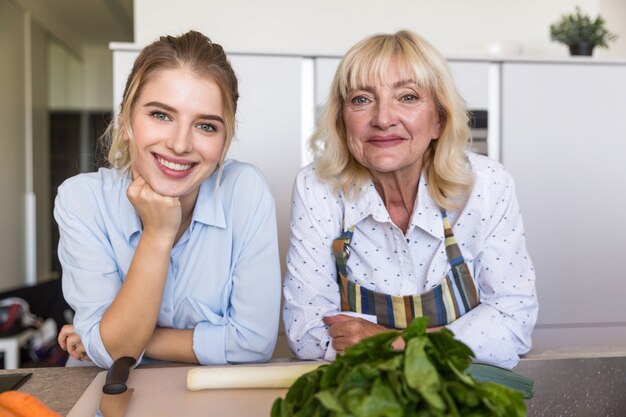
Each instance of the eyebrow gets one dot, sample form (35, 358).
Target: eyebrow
(397, 84)
(173, 110)
(402, 83)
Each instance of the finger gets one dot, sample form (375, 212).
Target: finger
(61, 340)
(398, 344)
(66, 330)
(434, 329)
(340, 344)
(136, 174)
(74, 354)
(330, 320)
(80, 350)
(138, 181)
(334, 331)
(72, 342)
(135, 187)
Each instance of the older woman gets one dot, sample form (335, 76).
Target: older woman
(396, 219)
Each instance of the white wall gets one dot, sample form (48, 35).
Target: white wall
(321, 27)
(41, 149)
(23, 114)
(66, 78)
(12, 157)
(80, 82)
(98, 73)
(614, 12)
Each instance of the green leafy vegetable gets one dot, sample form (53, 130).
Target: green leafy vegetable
(428, 378)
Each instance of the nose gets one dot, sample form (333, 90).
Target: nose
(385, 114)
(180, 142)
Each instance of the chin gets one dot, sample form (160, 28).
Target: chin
(170, 191)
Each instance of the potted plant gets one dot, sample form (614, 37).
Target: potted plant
(581, 33)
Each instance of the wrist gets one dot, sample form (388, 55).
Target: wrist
(158, 240)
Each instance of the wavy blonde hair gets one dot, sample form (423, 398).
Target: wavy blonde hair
(445, 163)
(192, 50)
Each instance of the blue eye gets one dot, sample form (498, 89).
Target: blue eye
(159, 115)
(207, 127)
(360, 100)
(410, 98)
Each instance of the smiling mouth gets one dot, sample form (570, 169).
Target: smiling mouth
(385, 142)
(172, 165)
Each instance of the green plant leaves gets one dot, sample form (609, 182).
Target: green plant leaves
(371, 379)
(579, 28)
(421, 374)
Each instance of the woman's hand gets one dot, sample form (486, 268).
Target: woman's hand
(347, 331)
(71, 343)
(160, 215)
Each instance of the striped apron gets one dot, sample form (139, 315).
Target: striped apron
(448, 301)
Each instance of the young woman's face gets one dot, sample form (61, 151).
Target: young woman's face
(179, 131)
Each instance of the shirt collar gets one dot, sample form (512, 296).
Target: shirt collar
(366, 202)
(426, 214)
(129, 218)
(209, 207)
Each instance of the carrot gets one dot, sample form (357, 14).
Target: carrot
(21, 404)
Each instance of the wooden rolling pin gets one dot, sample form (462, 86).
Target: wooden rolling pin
(248, 376)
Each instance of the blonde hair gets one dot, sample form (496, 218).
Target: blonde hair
(192, 50)
(447, 171)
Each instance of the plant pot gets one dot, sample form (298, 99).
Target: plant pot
(582, 48)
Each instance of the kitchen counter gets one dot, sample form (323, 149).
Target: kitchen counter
(577, 386)
(58, 388)
(563, 387)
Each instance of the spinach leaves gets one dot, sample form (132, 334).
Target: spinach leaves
(371, 379)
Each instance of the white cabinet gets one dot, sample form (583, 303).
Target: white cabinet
(324, 72)
(472, 81)
(564, 142)
(269, 126)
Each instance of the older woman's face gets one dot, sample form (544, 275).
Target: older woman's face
(389, 126)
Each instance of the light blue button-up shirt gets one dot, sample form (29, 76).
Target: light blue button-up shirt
(224, 275)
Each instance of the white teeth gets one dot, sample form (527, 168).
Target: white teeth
(171, 165)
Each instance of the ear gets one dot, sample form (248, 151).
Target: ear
(124, 127)
(436, 132)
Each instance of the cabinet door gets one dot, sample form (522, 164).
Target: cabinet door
(472, 80)
(324, 73)
(564, 141)
(269, 126)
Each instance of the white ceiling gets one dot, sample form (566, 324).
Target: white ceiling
(79, 23)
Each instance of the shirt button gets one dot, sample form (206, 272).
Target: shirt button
(408, 240)
(167, 309)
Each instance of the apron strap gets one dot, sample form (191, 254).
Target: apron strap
(455, 296)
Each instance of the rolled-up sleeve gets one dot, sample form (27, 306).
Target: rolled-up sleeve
(310, 289)
(499, 329)
(90, 274)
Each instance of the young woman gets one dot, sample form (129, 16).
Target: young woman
(172, 252)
